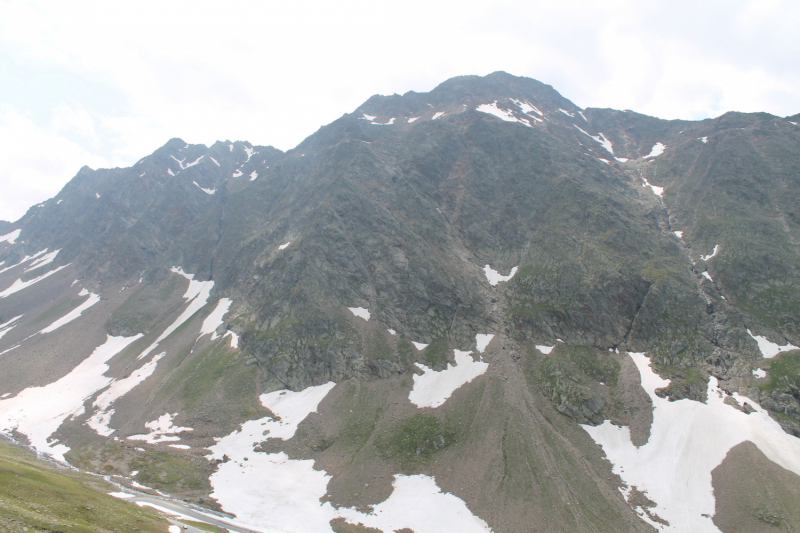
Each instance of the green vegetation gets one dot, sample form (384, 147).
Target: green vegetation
(205, 527)
(784, 372)
(416, 439)
(169, 471)
(60, 309)
(41, 497)
(436, 352)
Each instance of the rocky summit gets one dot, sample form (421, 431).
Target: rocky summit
(481, 308)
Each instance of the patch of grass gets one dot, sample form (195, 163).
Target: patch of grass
(436, 352)
(169, 472)
(416, 439)
(784, 372)
(41, 497)
(595, 364)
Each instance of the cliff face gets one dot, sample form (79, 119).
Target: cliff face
(373, 254)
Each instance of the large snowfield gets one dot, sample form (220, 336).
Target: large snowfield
(688, 440)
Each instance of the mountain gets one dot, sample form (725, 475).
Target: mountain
(483, 303)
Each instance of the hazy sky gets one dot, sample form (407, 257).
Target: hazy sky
(106, 83)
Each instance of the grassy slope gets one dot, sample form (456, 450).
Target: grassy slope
(37, 495)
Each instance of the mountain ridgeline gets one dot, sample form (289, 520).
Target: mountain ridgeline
(373, 253)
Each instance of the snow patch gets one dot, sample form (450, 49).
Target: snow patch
(432, 389)
(419, 346)
(687, 441)
(418, 504)
(253, 175)
(545, 349)
(37, 412)
(97, 194)
(214, 320)
(770, 349)
(42, 261)
(566, 112)
(656, 151)
(214, 160)
(678, 234)
(393, 332)
(391, 121)
(236, 173)
(161, 430)
(482, 340)
(11, 238)
(759, 373)
(438, 114)
(234, 338)
(207, 191)
(600, 139)
(368, 117)
(19, 285)
(708, 277)
(197, 293)
(284, 245)
(119, 388)
(8, 326)
(494, 277)
(170, 172)
(703, 140)
(360, 312)
(658, 191)
(75, 313)
(713, 253)
(412, 119)
(502, 114)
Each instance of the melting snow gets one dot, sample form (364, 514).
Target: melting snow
(527, 107)
(503, 114)
(161, 430)
(391, 121)
(759, 373)
(495, 277)
(97, 194)
(236, 173)
(770, 349)
(249, 153)
(545, 349)
(368, 117)
(214, 320)
(42, 261)
(419, 346)
(482, 340)
(284, 245)
(214, 160)
(169, 171)
(679, 234)
(207, 191)
(10, 238)
(600, 139)
(197, 293)
(119, 388)
(432, 389)
(253, 175)
(687, 441)
(193, 163)
(234, 338)
(75, 313)
(713, 253)
(708, 276)
(393, 332)
(19, 285)
(8, 326)
(581, 114)
(270, 490)
(412, 119)
(566, 112)
(230, 147)
(360, 312)
(703, 140)
(418, 504)
(37, 412)
(437, 115)
(657, 150)
(658, 191)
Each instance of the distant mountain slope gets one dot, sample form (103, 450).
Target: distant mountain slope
(456, 294)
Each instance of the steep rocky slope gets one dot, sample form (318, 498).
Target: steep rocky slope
(489, 216)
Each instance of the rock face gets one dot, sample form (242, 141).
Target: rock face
(620, 232)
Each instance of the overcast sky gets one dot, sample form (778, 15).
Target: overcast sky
(106, 83)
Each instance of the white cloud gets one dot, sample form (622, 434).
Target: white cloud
(113, 81)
